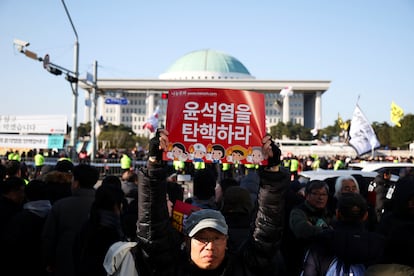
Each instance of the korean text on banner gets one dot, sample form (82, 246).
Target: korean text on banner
(180, 213)
(215, 126)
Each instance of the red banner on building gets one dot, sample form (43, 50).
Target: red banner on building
(215, 126)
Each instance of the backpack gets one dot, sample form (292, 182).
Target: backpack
(339, 268)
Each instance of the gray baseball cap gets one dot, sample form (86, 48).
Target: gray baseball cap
(205, 218)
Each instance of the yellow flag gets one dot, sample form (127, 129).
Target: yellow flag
(396, 114)
(343, 125)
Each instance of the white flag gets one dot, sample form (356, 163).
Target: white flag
(362, 136)
(286, 91)
(152, 122)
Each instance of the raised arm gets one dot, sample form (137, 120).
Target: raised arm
(154, 230)
(268, 224)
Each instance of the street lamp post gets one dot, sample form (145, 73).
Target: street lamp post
(93, 121)
(74, 85)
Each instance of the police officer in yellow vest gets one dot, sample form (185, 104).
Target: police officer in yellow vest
(294, 166)
(126, 162)
(286, 161)
(179, 166)
(64, 156)
(39, 161)
(339, 164)
(14, 156)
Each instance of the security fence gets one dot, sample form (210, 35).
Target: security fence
(105, 166)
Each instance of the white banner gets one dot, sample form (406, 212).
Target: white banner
(362, 136)
(37, 124)
(14, 141)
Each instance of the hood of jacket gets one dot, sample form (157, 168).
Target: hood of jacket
(119, 257)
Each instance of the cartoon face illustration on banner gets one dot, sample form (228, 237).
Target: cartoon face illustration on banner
(198, 152)
(177, 152)
(237, 154)
(215, 153)
(256, 156)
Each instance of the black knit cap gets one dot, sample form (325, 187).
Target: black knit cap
(64, 166)
(237, 200)
(352, 206)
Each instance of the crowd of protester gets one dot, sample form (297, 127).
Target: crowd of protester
(64, 220)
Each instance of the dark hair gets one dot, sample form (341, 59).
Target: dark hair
(37, 190)
(130, 176)
(12, 167)
(220, 148)
(385, 171)
(352, 206)
(228, 182)
(12, 184)
(86, 175)
(64, 166)
(238, 151)
(237, 200)
(315, 185)
(180, 146)
(106, 198)
(2, 172)
(204, 184)
(111, 180)
(175, 192)
(59, 184)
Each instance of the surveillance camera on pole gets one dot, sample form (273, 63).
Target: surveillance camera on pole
(53, 70)
(20, 44)
(71, 78)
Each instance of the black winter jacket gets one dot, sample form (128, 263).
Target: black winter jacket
(159, 248)
(350, 243)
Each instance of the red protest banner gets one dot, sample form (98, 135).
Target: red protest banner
(180, 213)
(215, 126)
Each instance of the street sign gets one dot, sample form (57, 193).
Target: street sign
(120, 101)
(33, 124)
(31, 141)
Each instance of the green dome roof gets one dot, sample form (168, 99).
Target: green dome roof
(206, 64)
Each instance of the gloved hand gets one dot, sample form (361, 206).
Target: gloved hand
(154, 147)
(157, 145)
(271, 151)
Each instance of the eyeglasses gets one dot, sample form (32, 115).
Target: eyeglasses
(204, 241)
(319, 195)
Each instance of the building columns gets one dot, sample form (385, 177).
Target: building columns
(87, 111)
(286, 109)
(318, 110)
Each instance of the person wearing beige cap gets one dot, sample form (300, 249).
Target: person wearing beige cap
(202, 248)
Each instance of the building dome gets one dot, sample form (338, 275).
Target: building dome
(206, 65)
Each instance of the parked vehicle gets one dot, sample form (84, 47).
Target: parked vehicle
(398, 169)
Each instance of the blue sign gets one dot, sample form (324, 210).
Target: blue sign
(55, 142)
(121, 101)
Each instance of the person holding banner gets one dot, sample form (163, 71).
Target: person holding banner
(205, 232)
